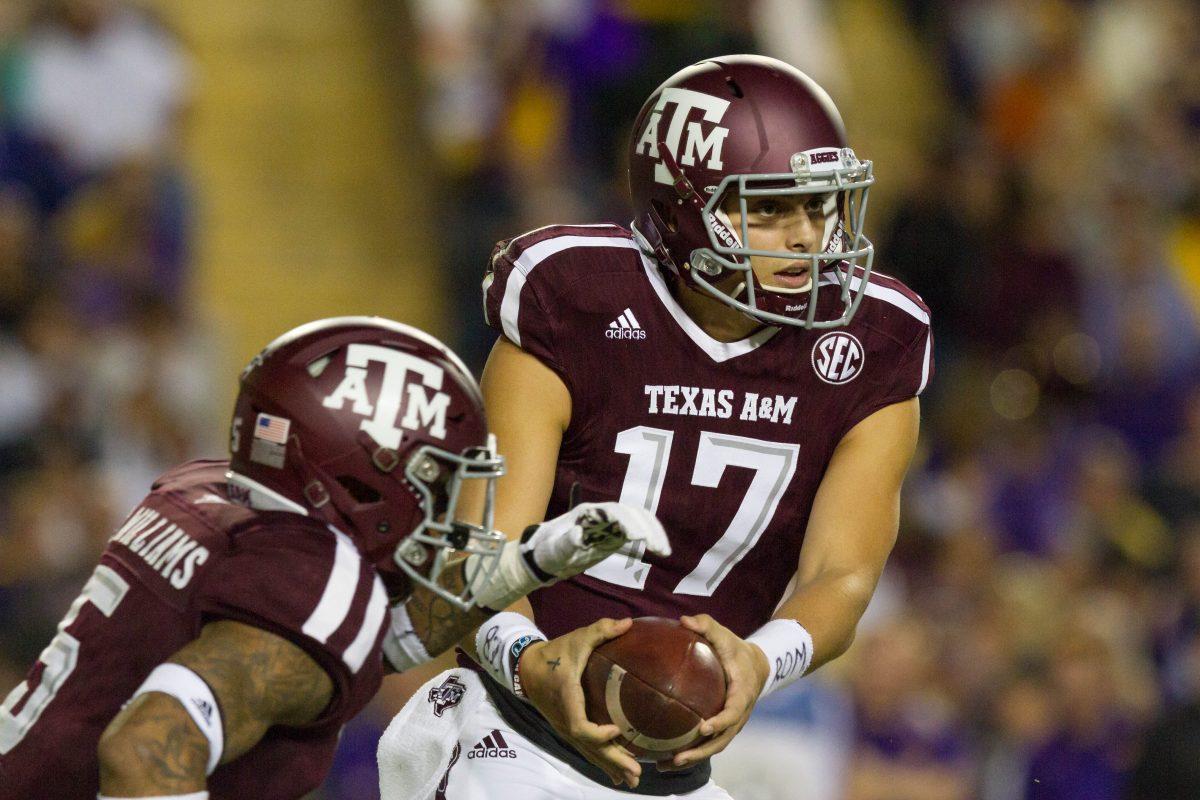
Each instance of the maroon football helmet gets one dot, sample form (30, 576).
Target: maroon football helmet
(371, 426)
(744, 126)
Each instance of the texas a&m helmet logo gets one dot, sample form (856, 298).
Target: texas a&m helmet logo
(448, 695)
(422, 409)
(698, 145)
(838, 357)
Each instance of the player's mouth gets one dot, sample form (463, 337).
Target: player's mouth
(797, 277)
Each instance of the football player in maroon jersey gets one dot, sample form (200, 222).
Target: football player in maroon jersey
(248, 608)
(730, 362)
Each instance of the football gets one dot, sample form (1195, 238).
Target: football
(657, 682)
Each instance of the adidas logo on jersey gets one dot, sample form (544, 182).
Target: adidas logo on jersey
(492, 746)
(625, 327)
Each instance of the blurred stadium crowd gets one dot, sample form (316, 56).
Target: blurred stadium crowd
(102, 378)
(1037, 636)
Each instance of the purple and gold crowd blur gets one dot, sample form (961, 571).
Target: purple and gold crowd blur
(1037, 633)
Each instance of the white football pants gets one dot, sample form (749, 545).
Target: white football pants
(469, 752)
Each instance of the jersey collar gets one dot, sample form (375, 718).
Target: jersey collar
(717, 350)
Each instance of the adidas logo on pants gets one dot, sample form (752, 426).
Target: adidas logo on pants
(492, 746)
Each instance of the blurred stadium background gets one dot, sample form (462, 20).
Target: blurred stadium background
(180, 181)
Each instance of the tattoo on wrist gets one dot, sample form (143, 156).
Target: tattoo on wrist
(439, 624)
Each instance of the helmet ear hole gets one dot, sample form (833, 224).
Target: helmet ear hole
(666, 214)
(361, 492)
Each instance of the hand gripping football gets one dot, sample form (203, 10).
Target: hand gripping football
(657, 682)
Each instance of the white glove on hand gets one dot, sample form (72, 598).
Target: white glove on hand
(563, 547)
(586, 535)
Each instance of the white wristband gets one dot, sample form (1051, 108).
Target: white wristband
(192, 796)
(197, 700)
(401, 644)
(789, 651)
(511, 580)
(495, 640)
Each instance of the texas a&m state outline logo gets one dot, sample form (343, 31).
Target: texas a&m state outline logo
(448, 695)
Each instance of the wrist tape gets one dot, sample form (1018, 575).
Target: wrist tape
(512, 579)
(401, 644)
(789, 651)
(494, 642)
(197, 700)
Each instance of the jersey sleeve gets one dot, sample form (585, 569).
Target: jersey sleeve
(517, 305)
(913, 369)
(308, 586)
(908, 374)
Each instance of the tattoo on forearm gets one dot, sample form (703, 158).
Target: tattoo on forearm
(260, 680)
(439, 624)
(165, 752)
(263, 680)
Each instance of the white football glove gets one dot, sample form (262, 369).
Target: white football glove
(586, 535)
(563, 547)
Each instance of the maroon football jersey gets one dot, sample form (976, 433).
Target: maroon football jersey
(725, 442)
(186, 556)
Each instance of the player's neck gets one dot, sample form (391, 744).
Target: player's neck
(721, 322)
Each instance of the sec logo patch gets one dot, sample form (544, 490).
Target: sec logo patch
(838, 357)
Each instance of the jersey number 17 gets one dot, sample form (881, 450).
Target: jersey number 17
(649, 451)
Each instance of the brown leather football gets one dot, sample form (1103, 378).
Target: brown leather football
(658, 681)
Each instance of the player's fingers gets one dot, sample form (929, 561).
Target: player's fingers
(707, 749)
(647, 528)
(738, 703)
(589, 733)
(733, 711)
(613, 772)
(576, 721)
(602, 630)
(619, 755)
(616, 762)
(702, 624)
(657, 541)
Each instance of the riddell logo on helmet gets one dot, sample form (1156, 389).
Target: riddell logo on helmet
(723, 233)
(698, 145)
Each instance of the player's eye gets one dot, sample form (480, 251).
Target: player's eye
(816, 205)
(765, 209)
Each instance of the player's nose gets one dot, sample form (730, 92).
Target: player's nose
(803, 233)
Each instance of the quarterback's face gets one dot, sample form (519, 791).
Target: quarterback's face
(784, 223)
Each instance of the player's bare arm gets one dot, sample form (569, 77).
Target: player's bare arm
(259, 680)
(840, 563)
(439, 624)
(844, 553)
(514, 382)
